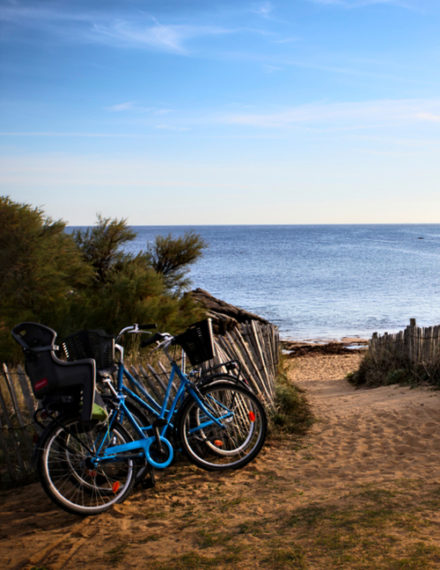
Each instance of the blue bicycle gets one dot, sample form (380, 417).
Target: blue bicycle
(87, 463)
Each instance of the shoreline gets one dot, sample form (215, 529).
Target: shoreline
(346, 345)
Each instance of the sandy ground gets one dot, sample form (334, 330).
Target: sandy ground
(195, 519)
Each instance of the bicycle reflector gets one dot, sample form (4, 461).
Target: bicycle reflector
(41, 384)
(251, 416)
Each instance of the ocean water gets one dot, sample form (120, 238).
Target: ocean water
(320, 282)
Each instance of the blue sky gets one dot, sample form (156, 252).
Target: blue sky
(222, 112)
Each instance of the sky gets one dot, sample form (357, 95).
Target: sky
(197, 112)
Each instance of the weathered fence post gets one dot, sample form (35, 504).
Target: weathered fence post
(417, 348)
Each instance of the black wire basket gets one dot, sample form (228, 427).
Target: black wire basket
(197, 342)
(94, 344)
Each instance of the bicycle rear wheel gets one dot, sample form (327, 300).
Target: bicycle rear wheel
(236, 441)
(70, 477)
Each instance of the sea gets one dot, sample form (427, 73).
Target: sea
(319, 282)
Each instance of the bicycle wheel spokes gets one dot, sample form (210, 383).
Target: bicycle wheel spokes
(237, 439)
(71, 473)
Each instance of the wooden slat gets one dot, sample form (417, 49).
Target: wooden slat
(11, 440)
(26, 391)
(14, 400)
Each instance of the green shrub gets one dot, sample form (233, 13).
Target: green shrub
(86, 279)
(292, 412)
(382, 370)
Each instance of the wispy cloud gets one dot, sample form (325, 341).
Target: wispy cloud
(128, 29)
(67, 134)
(127, 106)
(134, 107)
(430, 117)
(408, 4)
(264, 9)
(320, 116)
(346, 115)
(169, 38)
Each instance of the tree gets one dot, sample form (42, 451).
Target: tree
(171, 257)
(100, 245)
(147, 287)
(42, 272)
(86, 279)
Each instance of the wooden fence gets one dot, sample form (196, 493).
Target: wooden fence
(415, 346)
(254, 344)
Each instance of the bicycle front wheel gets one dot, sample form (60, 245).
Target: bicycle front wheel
(69, 473)
(236, 436)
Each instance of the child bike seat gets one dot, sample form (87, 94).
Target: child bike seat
(50, 375)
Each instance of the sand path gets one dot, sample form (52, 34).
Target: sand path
(245, 519)
(366, 435)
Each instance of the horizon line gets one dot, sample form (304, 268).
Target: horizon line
(306, 224)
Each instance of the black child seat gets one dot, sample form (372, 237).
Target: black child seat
(50, 375)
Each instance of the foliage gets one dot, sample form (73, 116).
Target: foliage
(42, 269)
(171, 257)
(389, 367)
(146, 287)
(292, 411)
(100, 245)
(85, 279)
(382, 370)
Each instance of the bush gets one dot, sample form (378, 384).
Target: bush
(85, 279)
(170, 258)
(292, 411)
(139, 288)
(382, 370)
(42, 271)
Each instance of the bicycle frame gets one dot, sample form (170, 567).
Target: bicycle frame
(164, 414)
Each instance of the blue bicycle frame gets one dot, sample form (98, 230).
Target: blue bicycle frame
(163, 413)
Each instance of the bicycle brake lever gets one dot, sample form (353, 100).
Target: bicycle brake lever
(156, 337)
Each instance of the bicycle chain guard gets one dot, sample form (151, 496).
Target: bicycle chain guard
(159, 454)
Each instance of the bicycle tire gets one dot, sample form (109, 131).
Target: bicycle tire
(232, 446)
(207, 379)
(68, 477)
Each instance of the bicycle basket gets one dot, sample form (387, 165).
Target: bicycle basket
(94, 344)
(197, 342)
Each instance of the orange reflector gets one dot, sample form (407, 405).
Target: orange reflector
(218, 442)
(251, 416)
(115, 486)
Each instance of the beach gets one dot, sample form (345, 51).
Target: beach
(360, 490)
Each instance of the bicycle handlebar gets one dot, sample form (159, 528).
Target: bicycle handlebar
(166, 338)
(155, 338)
(135, 329)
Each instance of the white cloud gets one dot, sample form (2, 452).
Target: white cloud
(127, 106)
(134, 107)
(156, 36)
(409, 4)
(65, 134)
(352, 114)
(137, 30)
(264, 9)
(430, 117)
